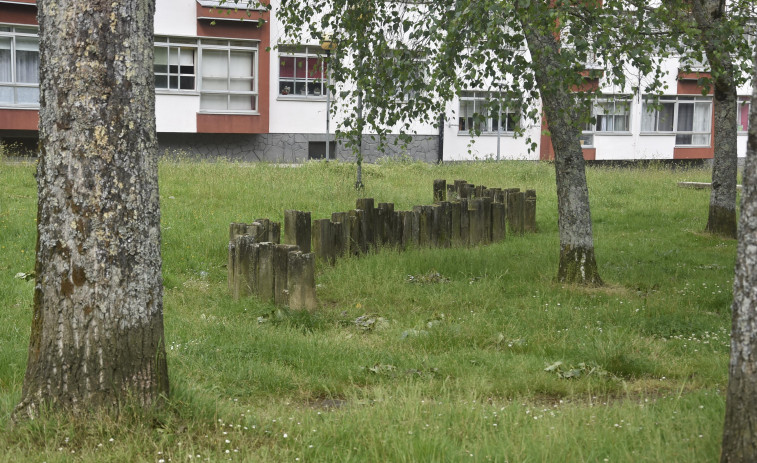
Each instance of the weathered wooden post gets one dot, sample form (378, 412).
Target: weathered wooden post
(480, 191)
(274, 232)
(385, 215)
(345, 241)
(518, 223)
(455, 237)
(368, 224)
(486, 203)
(323, 240)
(297, 229)
(498, 230)
(477, 223)
(280, 271)
(409, 228)
(465, 222)
(301, 281)
(443, 224)
(440, 190)
(357, 239)
(337, 241)
(425, 217)
(245, 266)
(529, 211)
(265, 272)
(511, 199)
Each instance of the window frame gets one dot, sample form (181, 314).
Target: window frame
(171, 43)
(741, 103)
(230, 46)
(13, 32)
(481, 97)
(298, 52)
(677, 101)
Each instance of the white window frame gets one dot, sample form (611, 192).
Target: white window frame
(591, 129)
(319, 84)
(741, 126)
(182, 44)
(230, 46)
(490, 128)
(13, 32)
(677, 101)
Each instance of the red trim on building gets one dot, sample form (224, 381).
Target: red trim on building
(231, 123)
(19, 119)
(16, 13)
(688, 83)
(240, 27)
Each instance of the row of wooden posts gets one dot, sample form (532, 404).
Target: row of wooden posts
(285, 273)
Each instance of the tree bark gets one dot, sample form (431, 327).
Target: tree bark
(710, 16)
(97, 328)
(740, 429)
(561, 107)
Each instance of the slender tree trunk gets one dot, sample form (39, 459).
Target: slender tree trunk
(740, 429)
(710, 16)
(97, 328)
(577, 261)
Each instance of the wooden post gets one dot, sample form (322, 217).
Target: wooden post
(443, 224)
(498, 222)
(464, 222)
(357, 241)
(265, 272)
(511, 198)
(409, 229)
(280, 265)
(245, 266)
(297, 229)
(529, 211)
(455, 223)
(274, 232)
(440, 190)
(518, 213)
(345, 245)
(323, 240)
(476, 214)
(384, 224)
(368, 224)
(301, 281)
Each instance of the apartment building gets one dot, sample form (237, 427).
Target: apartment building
(224, 89)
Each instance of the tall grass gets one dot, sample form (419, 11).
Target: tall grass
(452, 369)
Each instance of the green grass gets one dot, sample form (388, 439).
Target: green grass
(454, 371)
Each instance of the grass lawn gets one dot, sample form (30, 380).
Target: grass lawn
(452, 370)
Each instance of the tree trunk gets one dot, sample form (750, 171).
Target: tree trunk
(561, 106)
(710, 16)
(740, 429)
(97, 328)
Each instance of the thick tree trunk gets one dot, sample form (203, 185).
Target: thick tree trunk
(97, 328)
(740, 429)
(562, 109)
(710, 16)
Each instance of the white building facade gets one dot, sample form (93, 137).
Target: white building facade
(224, 89)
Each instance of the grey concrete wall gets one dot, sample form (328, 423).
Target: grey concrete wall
(286, 148)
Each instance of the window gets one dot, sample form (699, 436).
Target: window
(302, 72)
(227, 77)
(475, 114)
(688, 117)
(742, 113)
(19, 66)
(612, 114)
(175, 63)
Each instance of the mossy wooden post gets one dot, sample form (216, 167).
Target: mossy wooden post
(480, 191)
(464, 222)
(357, 240)
(301, 281)
(529, 211)
(237, 229)
(486, 204)
(497, 195)
(246, 263)
(261, 230)
(435, 225)
(397, 228)
(230, 264)
(458, 185)
(265, 272)
(440, 190)
(409, 229)
(280, 271)
(345, 246)
(468, 191)
(455, 223)
(452, 192)
(368, 224)
(443, 223)
(297, 229)
(498, 222)
(323, 240)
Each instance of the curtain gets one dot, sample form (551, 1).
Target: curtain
(701, 123)
(27, 60)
